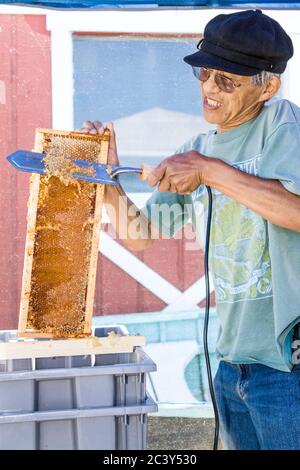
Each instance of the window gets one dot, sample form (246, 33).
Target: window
(145, 88)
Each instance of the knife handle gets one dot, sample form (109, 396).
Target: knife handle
(146, 171)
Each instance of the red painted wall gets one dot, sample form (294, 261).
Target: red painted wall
(25, 105)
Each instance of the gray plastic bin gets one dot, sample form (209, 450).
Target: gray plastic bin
(75, 402)
(107, 428)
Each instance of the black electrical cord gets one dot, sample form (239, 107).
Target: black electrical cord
(206, 318)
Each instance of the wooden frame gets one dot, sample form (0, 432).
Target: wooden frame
(23, 329)
(30, 348)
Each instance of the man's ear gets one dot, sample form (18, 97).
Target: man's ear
(270, 89)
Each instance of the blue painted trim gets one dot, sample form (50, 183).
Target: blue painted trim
(148, 3)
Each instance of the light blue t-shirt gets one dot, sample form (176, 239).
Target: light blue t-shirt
(255, 264)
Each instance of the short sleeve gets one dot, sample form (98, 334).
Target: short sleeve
(168, 212)
(281, 157)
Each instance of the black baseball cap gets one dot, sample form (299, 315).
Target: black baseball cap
(243, 43)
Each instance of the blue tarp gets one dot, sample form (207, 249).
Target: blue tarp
(149, 3)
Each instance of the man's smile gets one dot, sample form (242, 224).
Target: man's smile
(211, 104)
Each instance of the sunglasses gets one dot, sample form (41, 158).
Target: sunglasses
(224, 83)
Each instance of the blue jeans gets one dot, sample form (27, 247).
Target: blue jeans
(259, 407)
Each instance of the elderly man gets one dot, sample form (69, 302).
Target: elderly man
(252, 164)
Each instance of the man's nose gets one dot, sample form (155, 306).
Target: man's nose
(210, 85)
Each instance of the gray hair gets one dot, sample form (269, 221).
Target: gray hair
(263, 77)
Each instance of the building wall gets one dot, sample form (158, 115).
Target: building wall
(25, 104)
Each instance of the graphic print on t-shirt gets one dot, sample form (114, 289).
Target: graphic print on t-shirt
(239, 257)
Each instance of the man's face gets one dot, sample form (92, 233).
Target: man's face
(228, 110)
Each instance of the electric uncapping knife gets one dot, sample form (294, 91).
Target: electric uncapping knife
(33, 162)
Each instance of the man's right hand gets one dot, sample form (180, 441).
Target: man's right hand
(96, 127)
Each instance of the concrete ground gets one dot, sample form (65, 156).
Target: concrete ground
(173, 433)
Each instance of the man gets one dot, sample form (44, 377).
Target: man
(252, 164)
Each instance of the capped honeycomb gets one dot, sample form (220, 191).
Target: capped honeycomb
(62, 244)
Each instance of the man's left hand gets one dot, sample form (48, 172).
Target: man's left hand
(181, 173)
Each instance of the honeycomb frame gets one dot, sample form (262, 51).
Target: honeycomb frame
(53, 266)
